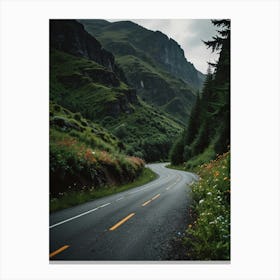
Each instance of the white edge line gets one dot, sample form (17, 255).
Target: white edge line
(77, 216)
(101, 206)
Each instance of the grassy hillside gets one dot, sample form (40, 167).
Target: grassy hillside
(84, 86)
(154, 64)
(158, 87)
(84, 156)
(81, 85)
(148, 132)
(208, 236)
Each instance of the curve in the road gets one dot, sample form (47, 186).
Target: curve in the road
(136, 224)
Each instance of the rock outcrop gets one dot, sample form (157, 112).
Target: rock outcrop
(102, 83)
(70, 36)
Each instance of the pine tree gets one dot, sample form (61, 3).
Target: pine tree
(209, 122)
(221, 85)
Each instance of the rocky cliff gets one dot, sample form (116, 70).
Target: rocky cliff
(84, 76)
(154, 64)
(70, 36)
(132, 39)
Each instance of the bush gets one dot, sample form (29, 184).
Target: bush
(176, 152)
(187, 153)
(78, 116)
(208, 237)
(75, 165)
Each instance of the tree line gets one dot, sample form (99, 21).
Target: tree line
(209, 122)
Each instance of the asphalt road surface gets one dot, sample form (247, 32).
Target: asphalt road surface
(134, 225)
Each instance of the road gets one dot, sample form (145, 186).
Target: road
(137, 224)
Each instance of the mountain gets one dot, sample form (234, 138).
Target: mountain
(84, 78)
(208, 130)
(154, 64)
(83, 155)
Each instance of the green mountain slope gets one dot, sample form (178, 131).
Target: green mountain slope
(154, 64)
(85, 86)
(83, 155)
(82, 81)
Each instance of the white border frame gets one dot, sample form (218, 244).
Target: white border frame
(24, 138)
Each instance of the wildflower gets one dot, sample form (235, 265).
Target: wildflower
(209, 193)
(200, 201)
(190, 225)
(217, 173)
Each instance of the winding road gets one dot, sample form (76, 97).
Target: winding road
(134, 225)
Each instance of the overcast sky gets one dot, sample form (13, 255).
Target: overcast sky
(188, 33)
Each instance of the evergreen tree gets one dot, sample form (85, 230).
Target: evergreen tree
(209, 122)
(221, 85)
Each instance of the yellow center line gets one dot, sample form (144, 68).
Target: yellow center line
(122, 221)
(147, 202)
(59, 250)
(156, 196)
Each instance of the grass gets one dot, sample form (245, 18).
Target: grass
(86, 131)
(140, 127)
(160, 88)
(84, 155)
(82, 85)
(136, 53)
(196, 161)
(148, 132)
(176, 167)
(208, 235)
(69, 199)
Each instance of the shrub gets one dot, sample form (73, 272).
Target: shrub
(76, 165)
(208, 237)
(78, 116)
(176, 152)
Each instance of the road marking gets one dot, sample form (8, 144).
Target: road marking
(156, 196)
(59, 250)
(147, 202)
(122, 221)
(104, 205)
(75, 217)
(119, 198)
(173, 183)
(78, 216)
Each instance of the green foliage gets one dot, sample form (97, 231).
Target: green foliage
(208, 236)
(139, 125)
(207, 155)
(177, 151)
(158, 87)
(84, 86)
(85, 159)
(147, 132)
(71, 198)
(209, 123)
(140, 53)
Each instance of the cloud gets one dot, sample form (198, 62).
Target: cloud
(189, 34)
